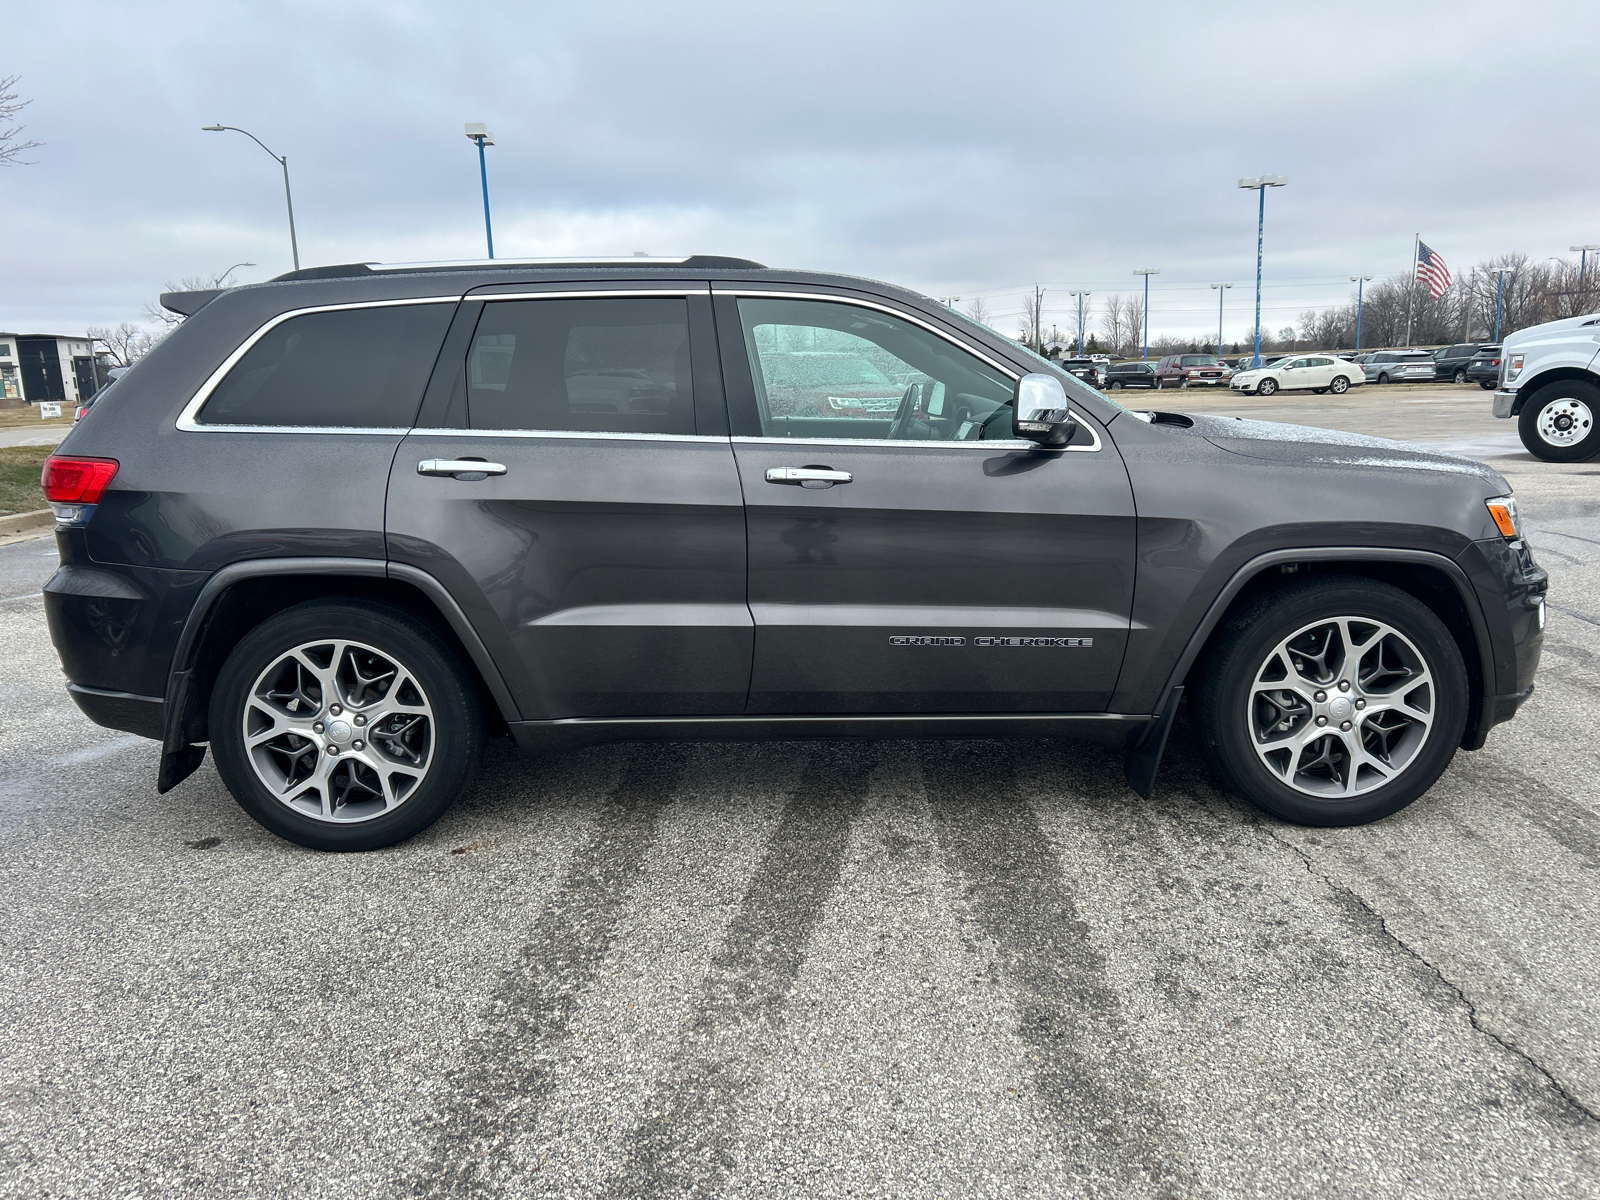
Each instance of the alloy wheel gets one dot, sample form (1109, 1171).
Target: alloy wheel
(1340, 707)
(1565, 422)
(339, 731)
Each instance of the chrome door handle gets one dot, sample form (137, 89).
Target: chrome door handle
(459, 466)
(808, 477)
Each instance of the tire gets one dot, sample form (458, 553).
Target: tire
(1319, 391)
(1401, 738)
(1486, 384)
(295, 759)
(1267, 387)
(1561, 421)
(1459, 377)
(1339, 386)
(1116, 385)
(1383, 377)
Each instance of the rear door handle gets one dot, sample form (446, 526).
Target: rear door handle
(459, 466)
(808, 477)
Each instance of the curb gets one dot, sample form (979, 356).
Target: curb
(26, 522)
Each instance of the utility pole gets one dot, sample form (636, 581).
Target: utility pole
(1499, 286)
(1220, 289)
(1080, 298)
(1360, 281)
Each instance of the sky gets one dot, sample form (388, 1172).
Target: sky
(960, 149)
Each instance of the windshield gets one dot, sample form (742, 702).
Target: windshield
(1199, 360)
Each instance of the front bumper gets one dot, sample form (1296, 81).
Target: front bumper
(1505, 404)
(1510, 589)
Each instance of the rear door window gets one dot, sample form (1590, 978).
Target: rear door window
(358, 368)
(603, 365)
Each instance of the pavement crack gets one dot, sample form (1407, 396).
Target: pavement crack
(1473, 1016)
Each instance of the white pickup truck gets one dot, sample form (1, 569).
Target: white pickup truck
(1550, 381)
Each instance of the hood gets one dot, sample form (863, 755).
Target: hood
(1331, 448)
(1549, 328)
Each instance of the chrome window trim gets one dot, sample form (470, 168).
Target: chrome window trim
(186, 422)
(1010, 373)
(933, 443)
(674, 291)
(571, 435)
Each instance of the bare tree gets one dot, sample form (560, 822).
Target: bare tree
(124, 345)
(12, 147)
(1111, 321)
(979, 311)
(166, 318)
(1133, 320)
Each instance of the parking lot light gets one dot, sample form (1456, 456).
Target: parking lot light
(1147, 272)
(1261, 183)
(283, 161)
(1220, 289)
(478, 132)
(1360, 281)
(1583, 261)
(1080, 296)
(1499, 287)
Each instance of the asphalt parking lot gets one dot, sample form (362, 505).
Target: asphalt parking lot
(821, 969)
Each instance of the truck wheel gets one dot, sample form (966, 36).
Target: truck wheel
(1460, 377)
(1557, 423)
(1339, 386)
(1335, 701)
(1266, 387)
(345, 725)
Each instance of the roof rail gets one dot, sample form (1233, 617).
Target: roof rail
(693, 262)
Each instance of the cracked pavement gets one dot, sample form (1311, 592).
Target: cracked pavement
(958, 969)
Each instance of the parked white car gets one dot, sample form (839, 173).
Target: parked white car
(1299, 373)
(1550, 382)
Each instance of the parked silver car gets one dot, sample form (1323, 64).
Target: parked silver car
(1399, 366)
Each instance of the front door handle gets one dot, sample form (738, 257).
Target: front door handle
(459, 466)
(808, 477)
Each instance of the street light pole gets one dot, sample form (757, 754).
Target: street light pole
(1261, 183)
(283, 161)
(1361, 282)
(1220, 288)
(1583, 262)
(1080, 296)
(478, 132)
(1499, 285)
(230, 271)
(1147, 272)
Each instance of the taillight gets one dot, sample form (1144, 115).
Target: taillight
(76, 480)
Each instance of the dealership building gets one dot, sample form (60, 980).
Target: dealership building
(45, 366)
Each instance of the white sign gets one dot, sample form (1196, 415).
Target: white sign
(46, 411)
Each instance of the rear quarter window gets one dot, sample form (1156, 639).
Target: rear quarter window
(359, 368)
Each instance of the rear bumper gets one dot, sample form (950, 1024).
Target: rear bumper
(1505, 404)
(143, 715)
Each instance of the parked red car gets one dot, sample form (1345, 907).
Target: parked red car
(1191, 370)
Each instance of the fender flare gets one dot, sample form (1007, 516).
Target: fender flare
(1427, 558)
(179, 758)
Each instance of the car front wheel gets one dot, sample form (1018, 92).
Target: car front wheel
(345, 725)
(1558, 422)
(1339, 386)
(1335, 701)
(1267, 387)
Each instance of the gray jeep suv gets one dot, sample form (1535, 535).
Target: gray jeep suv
(345, 525)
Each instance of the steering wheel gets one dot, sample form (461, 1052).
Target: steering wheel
(900, 427)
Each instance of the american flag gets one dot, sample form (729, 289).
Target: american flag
(1431, 270)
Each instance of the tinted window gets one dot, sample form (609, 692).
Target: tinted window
(807, 358)
(1199, 360)
(363, 368)
(589, 366)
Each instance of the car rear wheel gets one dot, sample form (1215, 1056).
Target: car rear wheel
(345, 725)
(1116, 385)
(1339, 386)
(1383, 377)
(1460, 377)
(1486, 384)
(1335, 701)
(1267, 387)
(1558, 422)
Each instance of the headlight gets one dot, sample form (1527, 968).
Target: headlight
(1513, 366)
(1504, 511)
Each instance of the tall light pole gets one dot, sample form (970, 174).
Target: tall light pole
(1583, 262)
(1361, 282)
(1499, 285)
(1080, 296)
(1220, 289)
(478, 132)
(1147, 272)
(283, 161)
(1261, 183)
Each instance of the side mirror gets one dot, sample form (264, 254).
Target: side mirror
(1040, 414)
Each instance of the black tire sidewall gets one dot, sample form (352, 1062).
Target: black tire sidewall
(1267, 387)
(1528, 421)
(1227, 671)
(458, 723)
(1336, 388)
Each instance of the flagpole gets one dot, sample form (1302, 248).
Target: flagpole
(1411, 287)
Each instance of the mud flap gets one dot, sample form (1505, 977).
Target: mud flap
(178, 765)
(1144, 757)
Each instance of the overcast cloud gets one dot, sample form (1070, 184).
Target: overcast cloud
(960, 149)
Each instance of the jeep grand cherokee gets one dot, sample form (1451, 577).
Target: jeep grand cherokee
(345, 525)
